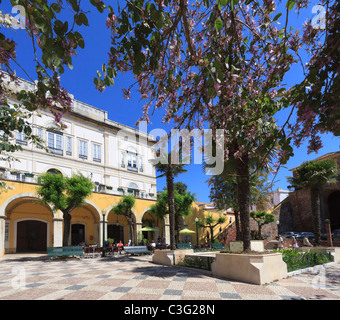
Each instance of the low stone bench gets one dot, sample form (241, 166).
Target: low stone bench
(137, 250)
(65, 251)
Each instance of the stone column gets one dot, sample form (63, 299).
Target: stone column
(57, 232)
(139, 234)
(101, 232)
(167, 231)
(2, 236)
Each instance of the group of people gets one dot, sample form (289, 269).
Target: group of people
(305, 242)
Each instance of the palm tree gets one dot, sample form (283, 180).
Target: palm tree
(242, 171)
(124, 207)
(170, 170)
(313, 175)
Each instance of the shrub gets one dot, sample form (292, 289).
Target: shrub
(299, 260)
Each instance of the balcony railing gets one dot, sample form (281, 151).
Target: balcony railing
(58, 152)
(130, 168)
(22, 142)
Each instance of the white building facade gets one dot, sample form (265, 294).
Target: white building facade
(114, 156)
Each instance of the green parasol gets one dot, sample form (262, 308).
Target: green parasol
(187, 231)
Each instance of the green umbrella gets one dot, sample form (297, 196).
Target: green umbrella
(148, 229)
(187, 231)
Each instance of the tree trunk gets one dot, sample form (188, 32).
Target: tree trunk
(315, 202)
(211, 235)
(243, 190)
(67, 221)
(171, 205)
(67, 228)
(131, 231)
(237, 224)
(260, 228)
(177, 228)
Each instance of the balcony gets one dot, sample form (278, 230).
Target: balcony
(58, 152)
(21, 142)
(130, 168)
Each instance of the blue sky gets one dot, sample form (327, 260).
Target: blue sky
(79, 82)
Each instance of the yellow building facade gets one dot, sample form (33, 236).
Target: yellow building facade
(113, 156)
(30, 226)
(201, 211)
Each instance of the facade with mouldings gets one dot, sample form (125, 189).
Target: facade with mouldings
(114, 156)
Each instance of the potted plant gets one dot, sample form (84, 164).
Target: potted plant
(110, 241)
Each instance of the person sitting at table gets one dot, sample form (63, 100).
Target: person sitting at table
(153, 246)
(120, 246)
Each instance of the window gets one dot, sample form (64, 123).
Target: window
(40, 134)
(96, 153)
(131, 159)
(132, 162)
(133, 189)
(55, 143)
(69, 146)
(141, 164)
(82, 149)
(54, 171)
(122, 159)
(20, 139)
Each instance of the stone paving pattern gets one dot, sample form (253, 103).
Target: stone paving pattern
(137, 278)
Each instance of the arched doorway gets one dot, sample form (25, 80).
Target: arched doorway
(77, 234)
(334, 209)
(31, 236)
(115, 232)
(85, 225)
(29, 224)
(150, 220)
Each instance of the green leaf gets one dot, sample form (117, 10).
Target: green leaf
(218, 24)
(290, 4)
(83, 19)
(277, 16)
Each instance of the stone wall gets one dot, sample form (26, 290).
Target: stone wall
(295, 212)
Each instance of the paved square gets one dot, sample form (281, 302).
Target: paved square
(137, 278)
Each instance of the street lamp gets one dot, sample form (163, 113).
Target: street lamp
(104, 253)
(277, 223)
(196, 220)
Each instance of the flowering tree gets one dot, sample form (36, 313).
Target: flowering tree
(220, 63)
(318, 107)
(55, 39)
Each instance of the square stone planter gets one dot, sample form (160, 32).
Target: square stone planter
(255, 245)
(166, 257)
(249, 268)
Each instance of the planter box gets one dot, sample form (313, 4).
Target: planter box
(249, 268)
(166, 257)
(255, 245)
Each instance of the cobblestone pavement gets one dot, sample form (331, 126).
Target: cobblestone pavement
(137, 278)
